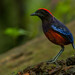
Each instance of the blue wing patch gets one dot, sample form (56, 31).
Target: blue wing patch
(64, 31)
(60, 30)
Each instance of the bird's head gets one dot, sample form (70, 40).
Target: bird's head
(43, 14)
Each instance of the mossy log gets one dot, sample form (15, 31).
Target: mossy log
(61, 67)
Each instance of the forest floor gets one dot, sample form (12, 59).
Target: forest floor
(45, 68)
(33, 52)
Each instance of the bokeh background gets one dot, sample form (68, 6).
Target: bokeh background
(17, 27)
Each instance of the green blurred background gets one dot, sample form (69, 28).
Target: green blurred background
(22, 42)
(17, 26)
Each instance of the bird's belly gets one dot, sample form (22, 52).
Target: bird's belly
(56, 38)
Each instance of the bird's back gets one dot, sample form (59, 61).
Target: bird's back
(57, 32)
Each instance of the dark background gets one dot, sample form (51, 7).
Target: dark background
(22, 42)
(18, 27)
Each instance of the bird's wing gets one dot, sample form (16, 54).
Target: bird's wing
(63, 31)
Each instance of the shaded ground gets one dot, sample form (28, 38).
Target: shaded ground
(33, 52)
(59, 68)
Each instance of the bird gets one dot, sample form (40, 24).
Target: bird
(54, 30)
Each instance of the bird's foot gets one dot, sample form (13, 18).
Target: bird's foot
(51, 61)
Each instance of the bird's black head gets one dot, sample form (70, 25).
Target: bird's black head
(43, 13)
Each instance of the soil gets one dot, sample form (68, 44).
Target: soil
(60, 67)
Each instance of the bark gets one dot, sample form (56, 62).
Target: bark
(60, 67)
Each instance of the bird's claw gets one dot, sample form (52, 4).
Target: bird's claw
(50, 61)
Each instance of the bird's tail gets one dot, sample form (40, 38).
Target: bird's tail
(73, 45)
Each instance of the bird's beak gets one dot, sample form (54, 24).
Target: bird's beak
(33, 14)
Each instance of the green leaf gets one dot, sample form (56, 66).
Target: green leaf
(15, 32)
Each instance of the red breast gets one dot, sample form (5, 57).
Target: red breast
(56, 38)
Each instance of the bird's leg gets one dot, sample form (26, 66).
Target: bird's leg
(56, 57)
(73, 45)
